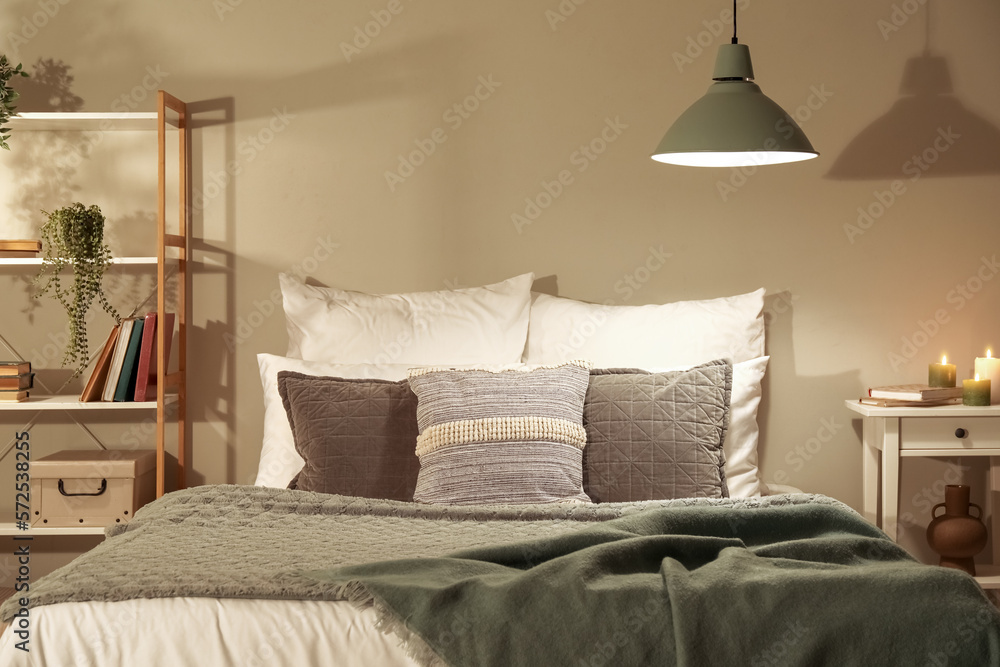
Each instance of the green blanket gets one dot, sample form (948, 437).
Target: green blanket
(788, 585)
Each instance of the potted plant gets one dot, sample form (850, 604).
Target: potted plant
(74, 237)
(7, 97)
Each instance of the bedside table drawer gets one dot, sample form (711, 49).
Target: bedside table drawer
(958, 433)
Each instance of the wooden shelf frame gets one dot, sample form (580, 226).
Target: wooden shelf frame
(181, 241)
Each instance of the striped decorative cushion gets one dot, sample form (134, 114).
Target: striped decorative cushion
(501, 436)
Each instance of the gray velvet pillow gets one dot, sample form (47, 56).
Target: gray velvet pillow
(656, 436)
(357, 437)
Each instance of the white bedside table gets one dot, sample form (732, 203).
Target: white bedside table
(946, 430)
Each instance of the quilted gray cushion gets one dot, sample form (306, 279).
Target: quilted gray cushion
(656, 436)
(357, 437)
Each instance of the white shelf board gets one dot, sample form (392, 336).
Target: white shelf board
(36, 261)
(83, 121)
(72, 402)
(988, 576)
(9, 528)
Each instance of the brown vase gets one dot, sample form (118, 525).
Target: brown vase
(956, 534)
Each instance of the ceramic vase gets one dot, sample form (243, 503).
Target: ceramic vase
(957, 535)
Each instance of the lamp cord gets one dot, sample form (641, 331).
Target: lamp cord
(734, 23)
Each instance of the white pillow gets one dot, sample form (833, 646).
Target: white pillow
(666, 337)
(743, 436)
(478, 325)
(279, 461)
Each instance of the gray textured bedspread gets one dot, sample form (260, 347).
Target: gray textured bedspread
(799, 579)
(254, 542)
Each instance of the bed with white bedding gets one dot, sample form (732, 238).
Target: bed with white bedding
(485, 476)
(234, 575)
(204, 632)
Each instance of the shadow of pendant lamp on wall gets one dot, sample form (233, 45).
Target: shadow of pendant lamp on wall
(734, 124)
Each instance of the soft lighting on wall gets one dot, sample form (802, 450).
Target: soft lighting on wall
(734, 124)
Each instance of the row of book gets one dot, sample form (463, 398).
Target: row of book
(16, 380)
(911, 395)
(126, 369)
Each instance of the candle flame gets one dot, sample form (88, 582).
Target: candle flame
(944, 358)
(977, 377)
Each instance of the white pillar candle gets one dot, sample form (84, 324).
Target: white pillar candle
(988, 368)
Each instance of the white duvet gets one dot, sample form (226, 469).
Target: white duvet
(203, 632)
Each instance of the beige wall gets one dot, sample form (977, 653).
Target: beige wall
(310, 137)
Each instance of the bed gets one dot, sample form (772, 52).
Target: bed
(494, 477)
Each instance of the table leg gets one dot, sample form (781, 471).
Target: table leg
(890, 476)
(869, 470)
(993, 506)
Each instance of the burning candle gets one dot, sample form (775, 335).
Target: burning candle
(976, 392)
(988, 368)
(943, 374)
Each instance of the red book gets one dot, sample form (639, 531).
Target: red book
(145, 381)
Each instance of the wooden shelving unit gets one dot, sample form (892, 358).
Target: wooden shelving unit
(171, 390)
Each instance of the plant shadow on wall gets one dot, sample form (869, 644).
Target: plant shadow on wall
(49, 88)
(927, 132)
(45, 165)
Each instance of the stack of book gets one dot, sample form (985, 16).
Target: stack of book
(126, 369)
(911, 395)
(19, 248)
(16, 380)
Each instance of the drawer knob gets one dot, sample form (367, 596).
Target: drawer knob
(961, 433)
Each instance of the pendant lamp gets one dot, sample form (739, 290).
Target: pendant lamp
(734, 124)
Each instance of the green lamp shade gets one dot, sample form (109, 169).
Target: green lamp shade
(734, 124)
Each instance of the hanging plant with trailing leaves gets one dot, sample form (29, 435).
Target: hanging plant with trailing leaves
(73, 238)
(7, 97)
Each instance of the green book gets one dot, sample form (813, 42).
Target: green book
(126, 381)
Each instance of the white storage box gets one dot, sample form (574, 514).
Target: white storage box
(91, 487)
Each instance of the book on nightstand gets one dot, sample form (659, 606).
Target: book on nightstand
(915, 392)
(897, 403)
(12, 396)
